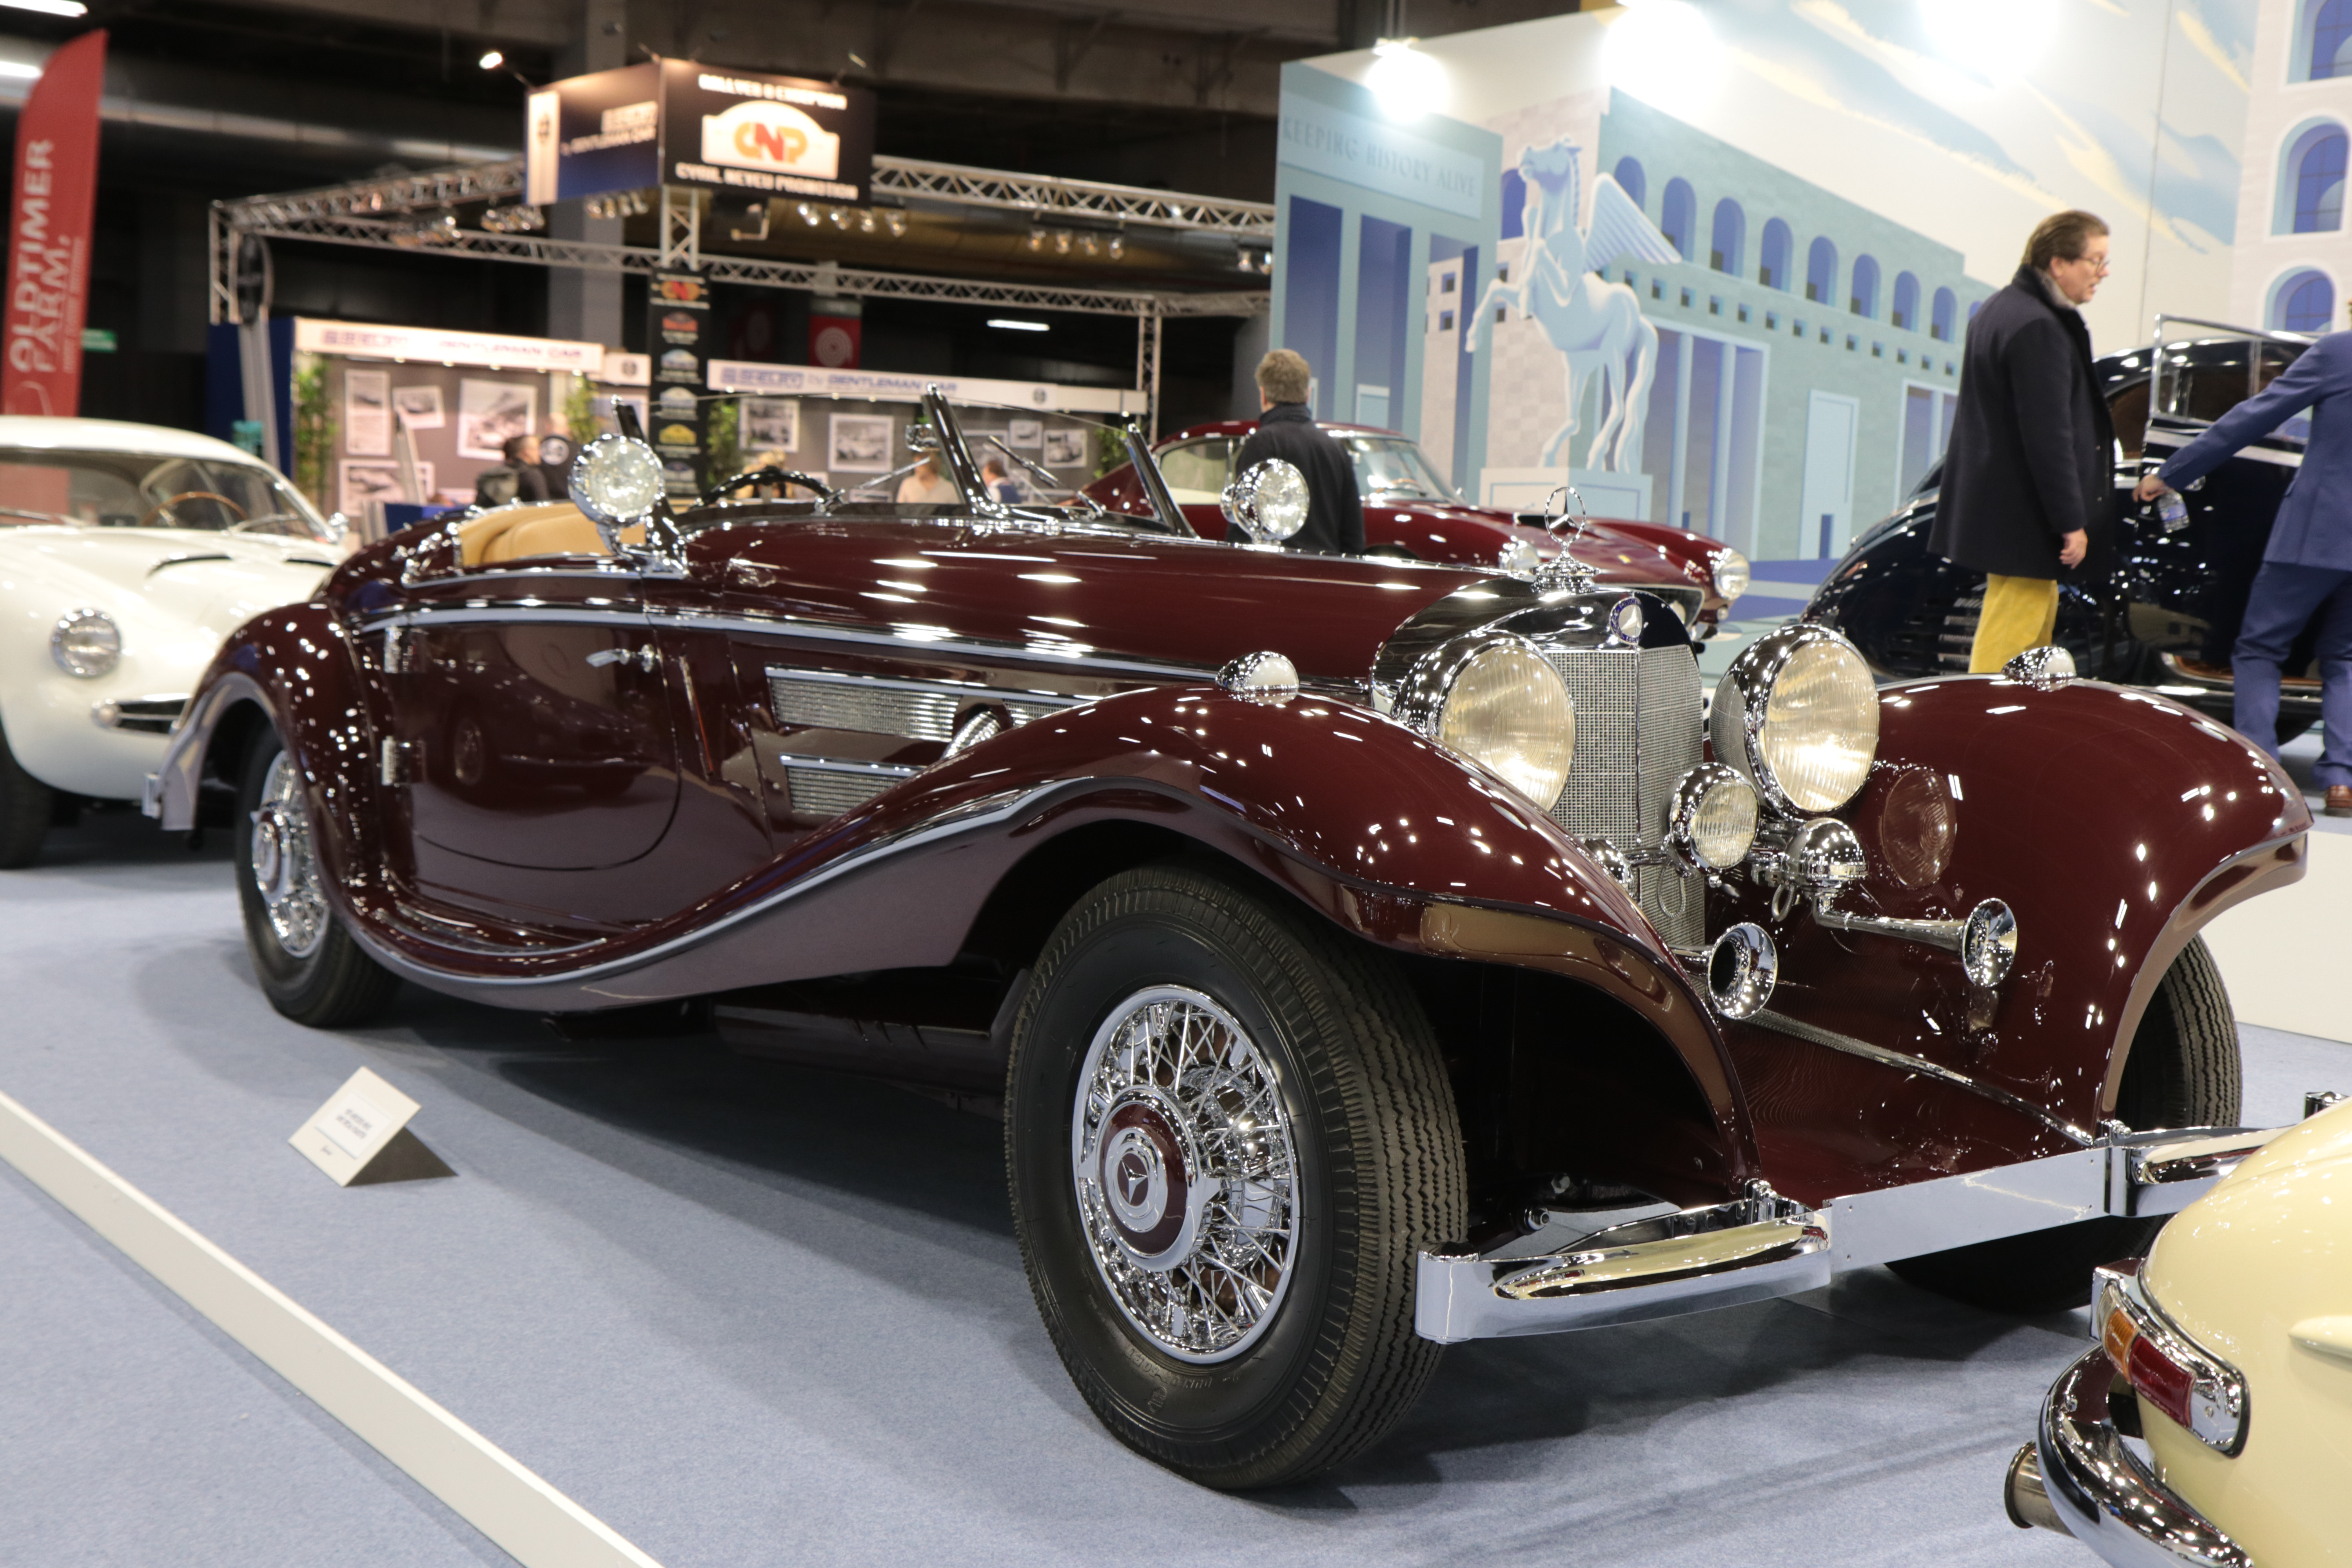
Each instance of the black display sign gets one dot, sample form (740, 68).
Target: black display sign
(586, 135)
(676, 322)
(742, 131)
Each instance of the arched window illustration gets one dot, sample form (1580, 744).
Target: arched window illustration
(2303, 301)
(2323, 43)
(1772, 261)
(2311, 181)
(1907, 302)
(1681, 213)
(1637, 185)
(1820, 272)
(1728, 253)
(1864, 302)
(1939, 320)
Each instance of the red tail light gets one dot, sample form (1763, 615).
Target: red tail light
(2201, 1393)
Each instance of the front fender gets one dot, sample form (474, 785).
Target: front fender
(299, 667)
(2114, 822)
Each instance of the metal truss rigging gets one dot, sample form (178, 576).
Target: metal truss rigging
(1043, 197)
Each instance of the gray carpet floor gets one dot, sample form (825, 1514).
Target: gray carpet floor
(751, 1315)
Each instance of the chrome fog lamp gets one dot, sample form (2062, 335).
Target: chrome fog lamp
(86, 643)
(1264, 674)
(1731, 573)
(615, 480)
(1493, 697)
(1742, 967)
(2045, 668)
(1711, 818)
(1268, 502)
(1798, 714)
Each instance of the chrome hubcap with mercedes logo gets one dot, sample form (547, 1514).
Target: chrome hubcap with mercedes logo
(1186, 1174)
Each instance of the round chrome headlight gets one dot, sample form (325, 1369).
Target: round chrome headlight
(1493, 698)
(86, 643)
(615, 479)
(1731, 573)
(1711, 818)
(1798, 714)
(1269, 502)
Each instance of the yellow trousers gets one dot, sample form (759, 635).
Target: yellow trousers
(2018, 613)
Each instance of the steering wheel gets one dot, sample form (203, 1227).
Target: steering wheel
(166, 505)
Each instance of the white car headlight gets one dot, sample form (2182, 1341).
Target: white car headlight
(615, 480)
(86, 643)
(1731, 574)
(1798, 714)
(1493, 698)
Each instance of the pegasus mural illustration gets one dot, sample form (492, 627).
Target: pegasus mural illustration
(1597, 326)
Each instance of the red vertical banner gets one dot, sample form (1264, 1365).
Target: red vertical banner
(49, 232)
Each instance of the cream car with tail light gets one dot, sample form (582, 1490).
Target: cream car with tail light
(127, 552)
(2211, 1426)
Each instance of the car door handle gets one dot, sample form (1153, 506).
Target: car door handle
(644, 657)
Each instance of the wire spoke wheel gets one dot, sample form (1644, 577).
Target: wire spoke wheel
(284, 862)
(1186, 1174)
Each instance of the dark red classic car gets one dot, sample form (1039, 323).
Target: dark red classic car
(1363, 955)
(1412, 514)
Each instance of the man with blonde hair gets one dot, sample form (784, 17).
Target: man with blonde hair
(1286, 429)
(2026, 474)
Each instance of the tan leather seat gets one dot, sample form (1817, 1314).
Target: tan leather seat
(516, 532)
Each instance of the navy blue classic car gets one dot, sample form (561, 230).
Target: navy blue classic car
(2158, 602)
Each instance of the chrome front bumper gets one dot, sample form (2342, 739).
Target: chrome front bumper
(2100, 1492)
(1763, 1245)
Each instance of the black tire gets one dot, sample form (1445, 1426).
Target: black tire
(2183, 1071)
(27, 806)
(329, 982)
(1378, 1176)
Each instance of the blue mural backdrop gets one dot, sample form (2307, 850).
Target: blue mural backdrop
(1712, 259)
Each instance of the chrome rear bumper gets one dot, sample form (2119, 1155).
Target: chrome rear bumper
(2083, 1476)
(1763, 1245)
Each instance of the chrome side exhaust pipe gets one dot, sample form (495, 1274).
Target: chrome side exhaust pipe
(1740, 968)
(2025, 1498)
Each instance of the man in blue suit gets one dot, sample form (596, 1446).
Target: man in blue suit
(2308, 569)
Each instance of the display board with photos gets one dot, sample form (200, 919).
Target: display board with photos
(848, 442)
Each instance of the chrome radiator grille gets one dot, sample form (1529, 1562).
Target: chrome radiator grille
(917, 710)
(1637, 731)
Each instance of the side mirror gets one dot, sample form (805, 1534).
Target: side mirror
(1267, 503)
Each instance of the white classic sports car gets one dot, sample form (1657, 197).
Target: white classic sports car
(2212, 1425)
(127, 554)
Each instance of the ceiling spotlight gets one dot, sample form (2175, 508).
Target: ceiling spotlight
(841, 218)
(523, 219)
(492, 61)
(1090, 243)
(1246, 258)
(808, 215)
(1010, 325)
(1061, 242)
(1117, 245)
(896, 222)
(866, 220)
(1036, 239)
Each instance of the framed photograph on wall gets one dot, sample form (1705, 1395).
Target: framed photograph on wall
(770, 424)
(1064, 449)
(420, 406)
(1024, 433)
(367, 413)
(859, 443)
(362, 481)
(492, 413)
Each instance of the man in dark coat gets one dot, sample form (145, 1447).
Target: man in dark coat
(1286, 429)
(2027, 474)
(2307, 566)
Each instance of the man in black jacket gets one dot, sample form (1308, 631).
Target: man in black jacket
(2027, 474)
(1286, 429)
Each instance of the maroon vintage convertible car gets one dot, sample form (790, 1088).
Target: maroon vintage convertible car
(1411, 514)
(1363, 955)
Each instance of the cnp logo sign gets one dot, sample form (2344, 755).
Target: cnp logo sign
(771, 136)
